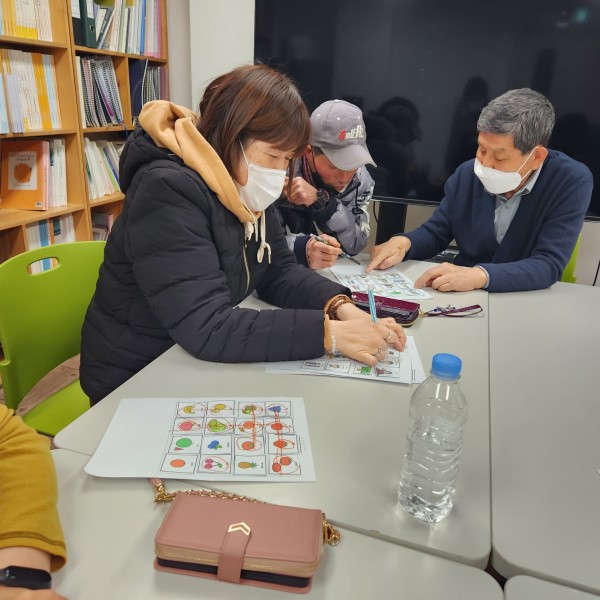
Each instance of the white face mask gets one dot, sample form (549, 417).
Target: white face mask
(263, 187)
(500, 182)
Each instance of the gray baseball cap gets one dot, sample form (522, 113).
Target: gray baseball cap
(339, 130)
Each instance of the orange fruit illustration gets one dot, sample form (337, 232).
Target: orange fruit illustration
(22, 172)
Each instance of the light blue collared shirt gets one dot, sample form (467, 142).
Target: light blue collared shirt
(506, 209)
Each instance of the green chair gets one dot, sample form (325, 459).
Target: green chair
(40, 326)
(569, 272)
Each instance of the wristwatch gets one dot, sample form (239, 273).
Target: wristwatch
(24, 577)
(322, 199)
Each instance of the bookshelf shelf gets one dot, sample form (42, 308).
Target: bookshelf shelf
(15, 224)
(37, 133)
(108, 199)
(40, 45)
(10, 217)
(99, 51)
(107, 128)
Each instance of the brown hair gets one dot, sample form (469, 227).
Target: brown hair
(253, 101)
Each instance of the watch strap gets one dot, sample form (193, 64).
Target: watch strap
(25, 577)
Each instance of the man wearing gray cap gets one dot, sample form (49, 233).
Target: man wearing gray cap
(331, 188)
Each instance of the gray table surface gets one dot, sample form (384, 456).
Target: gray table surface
(523, 587)
(110, 526)
(357, 430)
(545, 416)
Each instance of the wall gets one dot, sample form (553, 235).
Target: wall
(222, 37)
(178, 34)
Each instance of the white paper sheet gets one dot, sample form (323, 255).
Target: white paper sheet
(396, 367)
(209, 439)
(389, 283)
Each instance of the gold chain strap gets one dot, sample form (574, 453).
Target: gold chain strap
(331, 535)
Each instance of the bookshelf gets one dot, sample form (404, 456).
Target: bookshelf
(13, 222)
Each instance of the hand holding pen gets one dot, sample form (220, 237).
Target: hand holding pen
(326, 240)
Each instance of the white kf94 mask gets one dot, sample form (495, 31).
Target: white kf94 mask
(500, 182)
(263, 187)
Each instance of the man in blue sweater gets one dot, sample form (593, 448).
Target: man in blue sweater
(515, 211)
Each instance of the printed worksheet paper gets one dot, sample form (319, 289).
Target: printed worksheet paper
(208, 439)
(389, 283)
(395, 367)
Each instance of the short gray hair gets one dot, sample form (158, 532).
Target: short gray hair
(526, 115)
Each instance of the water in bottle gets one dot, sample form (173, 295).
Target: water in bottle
(438, 413)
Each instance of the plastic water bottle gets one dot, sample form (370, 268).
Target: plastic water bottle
(438, 413)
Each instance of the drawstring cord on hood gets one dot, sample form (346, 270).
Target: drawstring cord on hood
(259, 226)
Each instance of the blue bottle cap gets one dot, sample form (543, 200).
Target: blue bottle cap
(446, 366)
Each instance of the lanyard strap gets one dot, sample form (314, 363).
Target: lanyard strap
(451, 311)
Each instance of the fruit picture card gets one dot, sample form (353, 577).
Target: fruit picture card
(208, 439)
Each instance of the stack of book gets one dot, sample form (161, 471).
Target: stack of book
(98, 91)
(26, 19)
(102, 223)
(129, 26)
(102, 166)
(57, 230)
(28, 92)
(34, 174)
(146, 83)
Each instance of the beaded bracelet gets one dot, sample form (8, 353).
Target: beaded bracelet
(335, 305)
(333, 346)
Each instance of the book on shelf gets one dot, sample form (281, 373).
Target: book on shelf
(43, 19)
(156, 84)
(98, 91)
(43, 97)
(28, 19)
(153, 45)
(25, 172)
(76, 23)
(30, 90)
(82, 106)
(57, 180)
(104, 17)
(25, 25)
(102, 223)
(146, 82)
(4, 124)
(133, 27)
(137, 72)
(21, 65)
(102, 167)
(51, 90)
(57, 230)
(87, 23)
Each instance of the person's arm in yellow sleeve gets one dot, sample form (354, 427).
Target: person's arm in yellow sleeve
(30, 531)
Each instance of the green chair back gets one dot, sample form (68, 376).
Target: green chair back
(40, 326)
(569, 272)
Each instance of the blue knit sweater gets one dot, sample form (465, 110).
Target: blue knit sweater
(540, 239)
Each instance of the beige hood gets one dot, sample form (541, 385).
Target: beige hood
(174, 127)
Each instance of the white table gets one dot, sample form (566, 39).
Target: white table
(110, 525)
(545, 424)
(357, 430)
(523, 587)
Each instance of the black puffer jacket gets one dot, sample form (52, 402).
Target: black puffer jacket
(176, 264)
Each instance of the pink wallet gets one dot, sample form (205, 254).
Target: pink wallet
(252, 543)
